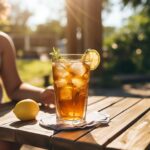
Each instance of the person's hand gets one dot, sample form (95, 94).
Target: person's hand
(48, 96)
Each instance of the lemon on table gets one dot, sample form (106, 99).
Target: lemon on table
(26, 109)
(93, 57)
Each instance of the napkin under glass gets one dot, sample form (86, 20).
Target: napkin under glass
(92, 119)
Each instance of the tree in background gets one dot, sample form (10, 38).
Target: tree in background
(129, 47)
(4, 23)
(136, 3)
(84, 23)
(18, 19)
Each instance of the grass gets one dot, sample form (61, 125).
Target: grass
(33, 72)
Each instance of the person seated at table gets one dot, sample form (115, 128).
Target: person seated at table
(15, 88)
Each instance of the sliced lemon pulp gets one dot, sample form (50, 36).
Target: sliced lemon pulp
(93, 57)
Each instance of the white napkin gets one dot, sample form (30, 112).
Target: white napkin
(92, 119)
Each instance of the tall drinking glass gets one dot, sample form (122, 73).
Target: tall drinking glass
(71, 78)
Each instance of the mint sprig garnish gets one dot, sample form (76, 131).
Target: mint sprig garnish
(55, 54)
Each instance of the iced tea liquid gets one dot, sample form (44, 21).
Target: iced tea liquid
(71, 78)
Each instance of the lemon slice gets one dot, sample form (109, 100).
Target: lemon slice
(93, 57)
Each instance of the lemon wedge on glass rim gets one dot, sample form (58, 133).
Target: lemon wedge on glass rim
(92, 56)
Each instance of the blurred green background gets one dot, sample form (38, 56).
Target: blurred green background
(34, 71)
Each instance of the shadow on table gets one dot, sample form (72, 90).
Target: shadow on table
(6, 108)
(18, 124)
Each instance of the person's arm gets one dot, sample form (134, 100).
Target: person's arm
(15, 88)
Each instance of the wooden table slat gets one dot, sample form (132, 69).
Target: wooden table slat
(121, 106)
(109, 101)
(33, 137)
(94, 99)
(104, 135)
(7, 118)
(137, 137)
(6, 112)
(7, 134)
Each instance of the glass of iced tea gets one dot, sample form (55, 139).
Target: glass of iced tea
(71, 76)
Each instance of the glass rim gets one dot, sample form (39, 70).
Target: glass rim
(70, 57)
(65, 54)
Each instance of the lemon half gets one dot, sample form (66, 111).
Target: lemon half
(92, 56)
(26, 109)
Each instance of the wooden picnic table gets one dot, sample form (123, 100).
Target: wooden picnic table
(129, 127)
